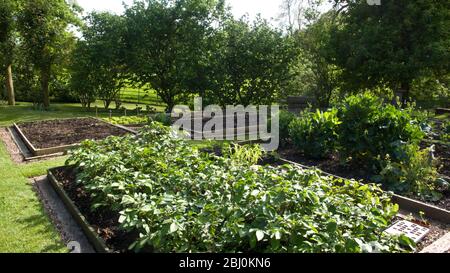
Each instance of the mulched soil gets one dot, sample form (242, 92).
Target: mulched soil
(437, 230)
(54, 133)
(104, 221)
(332, 165)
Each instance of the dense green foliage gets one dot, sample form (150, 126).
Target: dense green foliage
(97, 70)
(394, 43)
(412, 171)
(129, 120)
(252, 64)
(185, 48)
(43, 24)
(285, 118)
(370, 129)
(379, 138)
(315, 133)
(182, 200)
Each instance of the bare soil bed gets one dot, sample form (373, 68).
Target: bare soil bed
(55, 133)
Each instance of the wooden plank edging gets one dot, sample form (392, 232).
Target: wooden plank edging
(97, 242)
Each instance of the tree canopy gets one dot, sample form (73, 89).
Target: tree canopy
(393, 43)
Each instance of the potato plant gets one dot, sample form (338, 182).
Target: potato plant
(128, 120)
(180, 199)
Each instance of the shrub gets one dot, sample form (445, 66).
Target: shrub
(182, 200)
(285, 119)
(370, 129)
(162, 118)
(315, 134)
(413, 172)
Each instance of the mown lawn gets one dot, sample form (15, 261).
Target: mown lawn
(24, 225)
(24, 111)
(141, 96)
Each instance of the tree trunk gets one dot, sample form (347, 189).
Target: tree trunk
(10, 86)
(45, 79)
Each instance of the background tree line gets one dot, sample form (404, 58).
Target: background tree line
(184, 48)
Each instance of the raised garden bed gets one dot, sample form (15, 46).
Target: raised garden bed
(102, 227)
(332, 165)
(57, 136)
(149, 200)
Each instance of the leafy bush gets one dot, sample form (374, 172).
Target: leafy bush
(182, 200)
(162, 118)
(315, 134)
(414, 173)
(370, 129)
(285, 119)
(129, 120)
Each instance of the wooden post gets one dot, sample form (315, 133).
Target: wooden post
(96, 111)
(125, 111)
(110, 115)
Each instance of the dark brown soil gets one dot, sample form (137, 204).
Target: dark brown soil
(330, 165)
(104, 221)
(54, 133)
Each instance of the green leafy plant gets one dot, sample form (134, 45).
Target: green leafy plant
(315, 134)
(245, 155)
(128, 120)
(285, 119)
(162, 118)
(370, 129)
(413, 173)
(179, 199)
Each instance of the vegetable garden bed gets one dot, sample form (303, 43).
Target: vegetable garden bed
(103, 230)
(57, 136)
(333, 166)
(157, 193)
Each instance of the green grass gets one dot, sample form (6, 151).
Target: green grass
(24, 111)
(142, 96)
(24, 225)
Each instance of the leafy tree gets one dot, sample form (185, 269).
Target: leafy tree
(7, 44)
(253, 63)
(393, 43)
(98, 69)
(82, 71)
(166, 44)
(43, 25)
(322, 74)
